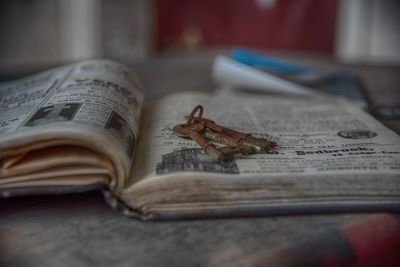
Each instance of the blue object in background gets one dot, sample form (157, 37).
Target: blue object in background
(254, 59)
(335, 83)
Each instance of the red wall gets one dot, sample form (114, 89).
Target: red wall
(295, 25)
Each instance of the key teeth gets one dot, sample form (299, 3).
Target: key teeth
(214, 153)
(247, 150)
(262, 144)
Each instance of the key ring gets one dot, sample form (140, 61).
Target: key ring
(194, 111)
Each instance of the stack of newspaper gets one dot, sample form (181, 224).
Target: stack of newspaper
(83, 127)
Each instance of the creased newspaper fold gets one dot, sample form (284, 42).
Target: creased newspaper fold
(74, 125)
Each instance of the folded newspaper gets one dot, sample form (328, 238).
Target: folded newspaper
(83, 127)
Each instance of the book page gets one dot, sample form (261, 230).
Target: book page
(94, 104)
(313, 137)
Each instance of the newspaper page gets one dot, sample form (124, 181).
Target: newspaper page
(327, 136)
(327, 149)
(94, 103)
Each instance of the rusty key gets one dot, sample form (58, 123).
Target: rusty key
(194, 131)
(224, 135)
(240, 145)
(202, 129)
(259, 144)
(207, 123)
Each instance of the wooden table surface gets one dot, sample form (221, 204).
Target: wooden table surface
(81, 230)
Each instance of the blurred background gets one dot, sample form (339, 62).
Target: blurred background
(49, 32)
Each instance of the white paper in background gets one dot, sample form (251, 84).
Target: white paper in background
(229, 72)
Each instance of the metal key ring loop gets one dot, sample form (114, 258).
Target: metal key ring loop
(194, 111)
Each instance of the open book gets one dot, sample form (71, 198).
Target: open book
(83, 127)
